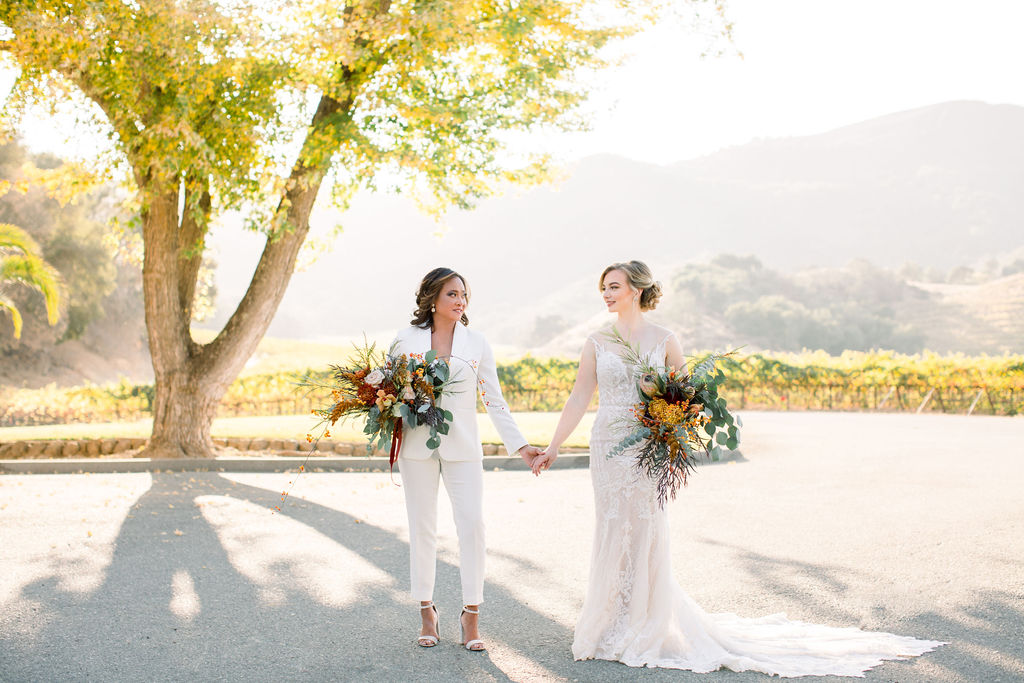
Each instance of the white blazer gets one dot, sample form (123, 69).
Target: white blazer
(472, 369)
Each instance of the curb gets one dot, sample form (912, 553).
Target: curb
(246, 464)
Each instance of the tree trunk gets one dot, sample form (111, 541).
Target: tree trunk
(190, 379)
(181, 422)
(183, 410)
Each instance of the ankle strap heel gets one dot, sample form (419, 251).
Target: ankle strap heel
(430, 641)
(475, 645)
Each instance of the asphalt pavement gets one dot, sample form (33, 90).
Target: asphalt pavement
(912, 524)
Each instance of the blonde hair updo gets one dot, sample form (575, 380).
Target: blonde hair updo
(640, 279)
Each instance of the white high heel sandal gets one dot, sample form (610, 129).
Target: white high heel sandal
(471, 645)
(430, 641)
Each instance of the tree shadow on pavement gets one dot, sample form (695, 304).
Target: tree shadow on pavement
(984, 639)
(791, 579)
(125, 629)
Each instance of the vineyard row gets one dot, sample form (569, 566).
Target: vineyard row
(853, 381)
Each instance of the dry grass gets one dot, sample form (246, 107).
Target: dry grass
(537, 427)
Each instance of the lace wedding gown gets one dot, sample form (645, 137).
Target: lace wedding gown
(636, 613)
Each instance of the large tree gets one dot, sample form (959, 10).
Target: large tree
(251, 104)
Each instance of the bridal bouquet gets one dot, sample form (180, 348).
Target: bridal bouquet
(679, 416)
(389, 391)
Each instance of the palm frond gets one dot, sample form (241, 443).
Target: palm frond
(14, 238)
(33, 272)
(9, 306)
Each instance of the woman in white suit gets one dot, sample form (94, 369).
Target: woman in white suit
(439, 323)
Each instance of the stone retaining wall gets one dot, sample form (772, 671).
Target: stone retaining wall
(68, 449)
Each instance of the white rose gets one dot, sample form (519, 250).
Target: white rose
(375, 378)
(408, 394)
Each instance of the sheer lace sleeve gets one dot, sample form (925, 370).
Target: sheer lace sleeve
(661, 350)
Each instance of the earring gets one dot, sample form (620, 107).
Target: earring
(433, 309)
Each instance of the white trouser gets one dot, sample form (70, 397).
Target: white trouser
(464, 482)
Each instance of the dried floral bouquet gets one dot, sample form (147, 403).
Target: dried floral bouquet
(679, 416)
(388, 390)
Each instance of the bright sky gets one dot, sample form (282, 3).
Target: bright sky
(808, 66)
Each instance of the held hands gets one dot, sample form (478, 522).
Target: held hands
(529, 454)
(538, 460)
(545, 460)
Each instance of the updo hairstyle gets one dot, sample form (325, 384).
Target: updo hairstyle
(640, 279)
(430, 287)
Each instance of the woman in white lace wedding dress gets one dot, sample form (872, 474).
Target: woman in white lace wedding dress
(634, 610)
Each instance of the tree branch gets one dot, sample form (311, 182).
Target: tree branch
(191, 242)
(223, 357)
(247, 325)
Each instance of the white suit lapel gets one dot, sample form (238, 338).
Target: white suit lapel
(419, 341)
(459, 341)
(460, 349)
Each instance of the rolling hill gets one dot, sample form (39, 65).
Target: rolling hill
(938, 186)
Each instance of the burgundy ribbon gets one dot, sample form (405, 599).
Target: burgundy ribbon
(396, 445)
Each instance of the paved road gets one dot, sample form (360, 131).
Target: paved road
(911, 524)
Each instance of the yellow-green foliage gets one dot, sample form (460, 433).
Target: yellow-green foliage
(857, 380)
(219, 93)
(852, 381)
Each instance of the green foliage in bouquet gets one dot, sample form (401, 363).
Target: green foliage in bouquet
(722, 427)
(679, 415)
(389, 391)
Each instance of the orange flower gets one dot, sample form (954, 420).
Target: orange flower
(367, 394)
(384, 400)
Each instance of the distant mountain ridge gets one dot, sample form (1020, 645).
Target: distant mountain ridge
(937, 185)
